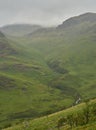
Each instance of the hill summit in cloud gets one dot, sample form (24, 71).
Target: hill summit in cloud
(19, 29)
(84, 18)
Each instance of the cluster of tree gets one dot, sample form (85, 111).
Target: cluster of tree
(83, 117)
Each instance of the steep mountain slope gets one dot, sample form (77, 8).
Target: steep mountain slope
(71, 53)
(50, 70)
(19, 29)
(74, 21)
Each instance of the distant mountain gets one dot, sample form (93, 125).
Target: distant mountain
(19, 29)
(73, 26)
(74, 21)
(42, 32)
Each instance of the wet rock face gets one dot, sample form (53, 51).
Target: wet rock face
(6, 83)
(55, 65)
(5, 47)
(1, 35)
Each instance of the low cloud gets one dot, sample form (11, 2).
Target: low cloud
(44, 12)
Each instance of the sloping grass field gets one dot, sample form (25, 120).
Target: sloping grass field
(53, 121)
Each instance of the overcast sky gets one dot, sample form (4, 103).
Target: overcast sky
(43, 12)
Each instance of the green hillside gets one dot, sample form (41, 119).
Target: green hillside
(24, 90)
(48, 70)
(80, 117)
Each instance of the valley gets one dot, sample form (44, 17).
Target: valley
(47, 70)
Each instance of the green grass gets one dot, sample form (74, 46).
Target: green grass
(51, 121)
